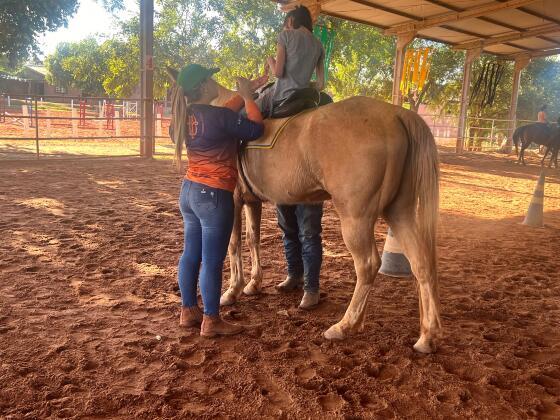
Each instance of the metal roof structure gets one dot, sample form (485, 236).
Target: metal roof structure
(505, 28)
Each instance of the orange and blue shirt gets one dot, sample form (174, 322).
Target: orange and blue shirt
(214, 140)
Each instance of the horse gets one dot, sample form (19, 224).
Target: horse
(539, 133)
(371, 159)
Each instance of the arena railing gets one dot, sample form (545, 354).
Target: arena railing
(31, 118)
(481, 134)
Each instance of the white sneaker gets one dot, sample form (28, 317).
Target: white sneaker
(309, 300)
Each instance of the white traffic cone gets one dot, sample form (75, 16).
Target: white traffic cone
(393, 261)
(534, 216)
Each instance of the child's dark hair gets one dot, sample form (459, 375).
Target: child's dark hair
(301, 17)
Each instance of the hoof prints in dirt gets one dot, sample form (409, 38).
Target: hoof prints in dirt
(90, 283)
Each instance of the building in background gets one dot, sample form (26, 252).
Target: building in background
(32, 81)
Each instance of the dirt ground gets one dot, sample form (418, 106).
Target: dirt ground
(89, 307)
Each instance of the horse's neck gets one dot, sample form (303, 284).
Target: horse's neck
(224, 95)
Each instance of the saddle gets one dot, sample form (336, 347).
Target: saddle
(298, 101)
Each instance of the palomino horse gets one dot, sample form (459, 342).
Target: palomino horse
(539, 133)
(371, 159)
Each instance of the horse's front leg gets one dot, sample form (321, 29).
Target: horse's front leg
(253, 212)
(522, 153)
(236, 281)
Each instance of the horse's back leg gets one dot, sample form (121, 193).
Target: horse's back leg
(423, 262)
(253, 213)
(358, 235)
(236, 281)
(546, 150)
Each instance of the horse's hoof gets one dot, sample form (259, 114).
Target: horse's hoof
(334, 333)
(425, 345)
(252, 289)
(228, 298)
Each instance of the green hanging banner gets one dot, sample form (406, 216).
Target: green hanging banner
(325, 33)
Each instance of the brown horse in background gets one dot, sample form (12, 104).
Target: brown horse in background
(371, 159)
(539, 133)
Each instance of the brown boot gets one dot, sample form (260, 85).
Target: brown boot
(191, 316)
(214, 325)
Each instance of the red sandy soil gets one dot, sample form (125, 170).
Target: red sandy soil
(89, 307)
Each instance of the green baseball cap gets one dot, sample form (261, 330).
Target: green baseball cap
(193, 75)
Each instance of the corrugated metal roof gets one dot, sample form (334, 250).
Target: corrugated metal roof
(38, 69)
(502, 27)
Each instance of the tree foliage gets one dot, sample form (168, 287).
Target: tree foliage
(22, 21)
(362, 61)
(82, 65)
(238, 35)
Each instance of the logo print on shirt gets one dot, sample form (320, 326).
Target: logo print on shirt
(193, 126)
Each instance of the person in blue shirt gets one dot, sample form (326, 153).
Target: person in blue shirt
(206, 198)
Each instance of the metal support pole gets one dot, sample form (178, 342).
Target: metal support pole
(470, 56)
(36, 128)
(147, 77)
(520, 63)
(403, 40)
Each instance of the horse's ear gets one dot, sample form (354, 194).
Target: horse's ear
(172, 74)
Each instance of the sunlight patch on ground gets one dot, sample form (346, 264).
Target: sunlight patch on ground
(481, 196)
(108, 183)
(51, 205)
(149, 269)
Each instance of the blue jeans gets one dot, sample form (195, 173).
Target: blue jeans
(208, 221)
(301, 228)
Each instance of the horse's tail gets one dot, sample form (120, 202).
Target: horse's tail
(424, 169)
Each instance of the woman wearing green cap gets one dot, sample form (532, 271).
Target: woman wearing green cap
(206, 199)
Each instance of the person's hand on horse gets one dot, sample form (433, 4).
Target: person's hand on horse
(244, 87)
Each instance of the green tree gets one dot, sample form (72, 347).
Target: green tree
(250, 30)
(540, 85)
(22, 21)
(123, 60)
(57, 74)
(82, 65)
(361, 61)
(443, 84)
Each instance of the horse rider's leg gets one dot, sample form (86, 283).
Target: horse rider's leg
(236, 281)
(358, 234)
(253, 212)
(423, 263)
